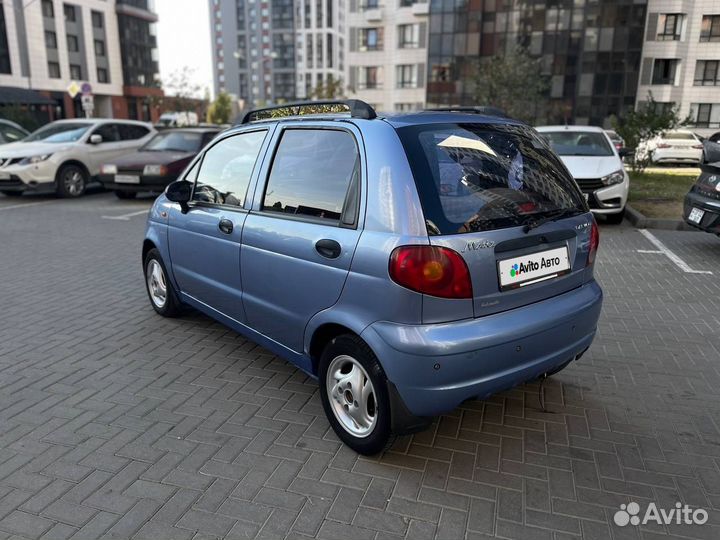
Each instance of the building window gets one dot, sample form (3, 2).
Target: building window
(99, 47)
(407, 76)
(664, 70)
(50, 39)
(4, 49)
(75, 72)
(69, 12)
(409, 36)
(97, 19)
(670, 27)
(706, 114)
(406, 3)
(405, 107)
(706, 73)
(72, 43)
(371, 39)
(102, 75)
(47, 9)
(369, 77)
(710, 29)
(53, 70)
(370, 4)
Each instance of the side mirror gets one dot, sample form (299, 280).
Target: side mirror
(95, 138)
(180, 192)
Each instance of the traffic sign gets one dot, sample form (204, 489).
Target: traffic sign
(86, 89)
(73, 89)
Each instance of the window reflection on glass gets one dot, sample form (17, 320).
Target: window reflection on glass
(311, 173)
(226, 169)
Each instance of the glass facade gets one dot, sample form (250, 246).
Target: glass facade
(590, 51)
(4, 50)
(138, 46)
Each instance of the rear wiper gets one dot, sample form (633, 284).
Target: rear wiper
(553, 216)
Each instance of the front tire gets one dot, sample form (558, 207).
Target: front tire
(71, 181)
(163, 297)
(125, 194)
(616, 219)
(354, 395)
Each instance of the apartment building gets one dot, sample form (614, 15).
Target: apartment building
(681, 59)
(47, 44)
(387, 53)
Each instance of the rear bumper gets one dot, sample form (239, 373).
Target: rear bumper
(438, 366)
(676, 155)
(710, 221)
(147, 183)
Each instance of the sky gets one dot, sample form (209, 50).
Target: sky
(183, 33)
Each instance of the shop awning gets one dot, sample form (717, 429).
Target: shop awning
(12, 95)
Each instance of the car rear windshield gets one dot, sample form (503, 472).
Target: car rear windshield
(679, 136)
(578, 143)
(479, 177)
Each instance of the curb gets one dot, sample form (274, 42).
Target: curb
(642, 222)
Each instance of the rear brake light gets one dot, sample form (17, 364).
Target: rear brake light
(664, 145)
(698, 146)
(432, 270)
(594, 242)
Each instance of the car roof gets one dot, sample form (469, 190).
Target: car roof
(593, 129)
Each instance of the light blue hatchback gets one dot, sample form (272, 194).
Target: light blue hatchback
(407, 262)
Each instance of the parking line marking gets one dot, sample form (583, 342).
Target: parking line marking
(25, 205)
(670, 255)
(126, 217)
(648, 251)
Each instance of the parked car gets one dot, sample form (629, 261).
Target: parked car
(702, 203)
(159, 162)
(617, 141)
(595, 164)
(178, 119)
(11, 132)
(408, 263)
(64, 156)
(678, 146)
(715, 137)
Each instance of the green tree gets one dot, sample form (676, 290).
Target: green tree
(512, 82)
(332, 88)
(220, 110)
(648, 120)
(182, 91)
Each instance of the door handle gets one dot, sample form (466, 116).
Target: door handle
(330, 249)
(225, 226)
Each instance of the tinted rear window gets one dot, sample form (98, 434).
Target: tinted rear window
(479, 177)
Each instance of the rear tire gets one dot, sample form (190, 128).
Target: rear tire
(71, 181)
(125, 194)
(354, 395)
(616, 219)
(161, 292)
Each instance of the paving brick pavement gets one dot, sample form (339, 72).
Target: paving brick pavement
(116, 423)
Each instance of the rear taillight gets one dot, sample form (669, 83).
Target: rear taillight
(698, 146)
(432, 270)
(664, 145)
(594, 242)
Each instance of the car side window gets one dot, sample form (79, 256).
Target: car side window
(226, 169)
(10, 134)
(131, 132)
(108, 132)
(312, 173)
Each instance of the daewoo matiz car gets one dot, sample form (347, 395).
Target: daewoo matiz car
(408, 263)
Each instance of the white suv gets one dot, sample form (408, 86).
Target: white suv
(64, 156)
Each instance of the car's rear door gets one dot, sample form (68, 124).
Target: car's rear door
(301, 235)
(204, 242)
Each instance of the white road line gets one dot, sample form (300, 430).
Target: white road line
(670, 255)
(126, 217)
(25, 205)
(648, 251)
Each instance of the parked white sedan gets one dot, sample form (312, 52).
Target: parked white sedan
(594, 162)
(679, 146)
(65, 155)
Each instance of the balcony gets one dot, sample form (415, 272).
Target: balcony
(421, 8)
(373, 12)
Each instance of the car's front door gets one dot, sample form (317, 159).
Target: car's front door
(300, 237)
(204, 242)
